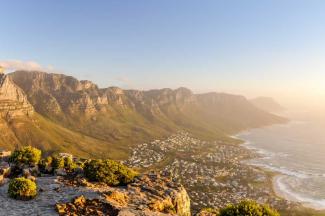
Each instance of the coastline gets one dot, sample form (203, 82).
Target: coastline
(276, 175)
(281, 191)
(278, 188)
(258, 153)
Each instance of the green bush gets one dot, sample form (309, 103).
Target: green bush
(108, 171)
(22, 188)
(45, 164)
(248, 207)
(57, 162)
(26, 155)
(69, 164)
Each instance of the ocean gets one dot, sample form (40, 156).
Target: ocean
(297, 152)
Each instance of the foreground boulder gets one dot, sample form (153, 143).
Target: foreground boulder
(4, 168)
(82, 206)
(159, 194)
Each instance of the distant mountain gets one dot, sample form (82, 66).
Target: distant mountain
(268, 104)
(65, 114)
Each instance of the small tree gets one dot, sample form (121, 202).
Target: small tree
(26, 155)
(248, 207)
(22, 188)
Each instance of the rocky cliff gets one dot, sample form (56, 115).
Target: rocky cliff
(149, 194)
(13, 101)
(21, 125)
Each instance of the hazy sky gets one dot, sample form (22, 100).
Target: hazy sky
(249, 47)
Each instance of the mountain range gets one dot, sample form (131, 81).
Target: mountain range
(56, 112)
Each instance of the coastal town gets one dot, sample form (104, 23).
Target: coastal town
(214, 173)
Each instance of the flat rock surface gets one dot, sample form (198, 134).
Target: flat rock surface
(44, 204)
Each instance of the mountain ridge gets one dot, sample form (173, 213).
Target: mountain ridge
(115, 119)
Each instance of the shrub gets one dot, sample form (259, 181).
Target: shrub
(57, 162)
(45, 164)
(69, 164)
(248, 207)
(108, 171)
(22, 188)
(26, 155)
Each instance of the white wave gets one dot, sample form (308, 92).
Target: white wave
(263, 152)
(282, 170)
(243, 133)
(290, 195)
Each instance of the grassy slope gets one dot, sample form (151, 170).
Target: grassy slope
(50, 137)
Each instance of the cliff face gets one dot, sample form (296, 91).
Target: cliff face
(21, 125)
(13, 101)
(159, 194)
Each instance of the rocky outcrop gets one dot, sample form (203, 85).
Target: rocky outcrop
(159, 193)
(82, 206)
(150, 194)
(13, 101)
(55, 197)
(96, 207)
